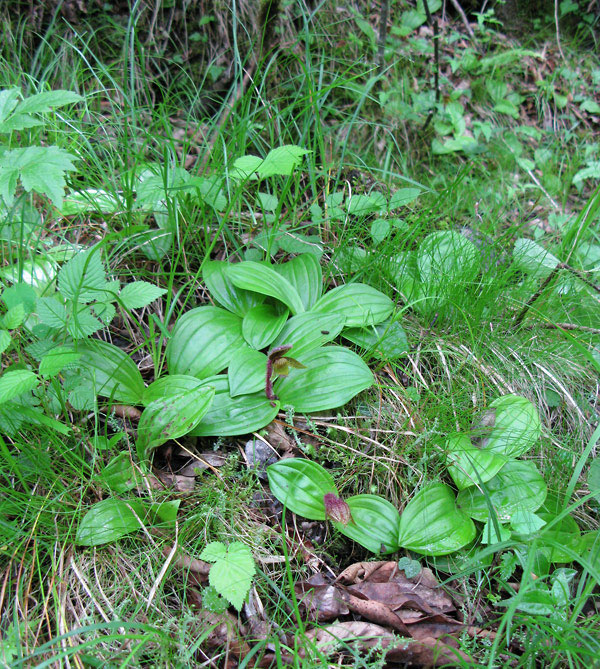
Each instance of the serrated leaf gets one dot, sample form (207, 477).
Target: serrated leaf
(170, 418)
(139, 294)
(469, 465)
(262, 324)
(308, 331)
(265, 280)
(282, 160)
(225, 292)
(83, 278)
(301, 485)
(203, 341)
(431, 523)
(47, 100)
(231, 575)
(82, 398)
(4, 340)
(109, 520)
(245, 167)
(305, 274)
(213, 552)
(20, 293)
(247, 371)
(386, 341)
(14, 317)
(57, 359)
(82, 323)
(375, 523)
(360, 304)
(105, 311)
(16, 382)
(333, 376)
(518, 486)
(230, 416)
(114, 372)
(52, 311)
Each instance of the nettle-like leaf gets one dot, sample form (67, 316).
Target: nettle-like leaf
(262, 324)
(469, 465)
(280, 161)
(83, 278)
(57, 359)
(301, 485)
(431, 523)
(333, 375)
(515, 426)
(225, 292)
(360, 304)
(375, 523)
(518, 486)
(5, 340)
(139, 294)
(40, 168)
(305, 274)
(15, 382)
(308, 331)
(170, 418)
(203, 341)
(232, 572)
(386, 341)
(266, 281)
(247, 370)
(230, 416)
(114, 373)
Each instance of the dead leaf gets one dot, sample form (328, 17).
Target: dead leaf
(320, 600)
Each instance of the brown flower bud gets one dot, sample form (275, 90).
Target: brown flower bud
(336, 509)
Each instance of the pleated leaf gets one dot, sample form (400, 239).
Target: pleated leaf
(247, 371)
(375, 523)
(308, 331)
(305, 274)
(224, 291)
(469, 465)
(360, 304)
(262, 324)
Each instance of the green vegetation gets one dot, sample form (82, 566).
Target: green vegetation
(279, 304)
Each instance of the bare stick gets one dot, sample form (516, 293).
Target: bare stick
(436, 58)
(463, 16)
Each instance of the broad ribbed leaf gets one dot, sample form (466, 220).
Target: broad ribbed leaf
(109, 520)
(172, 384)
(333, 376)
(386, 340)
(265, 280)
(114, 372)
(516, 426)
(447, 256)
(57, 359)
(224, 291)
(262, 324)
(518, 486)
(305, 274)
(533, 259)
(203, 341)
(431, 524)
(300, 485)
(360, 304)
(229, 416)
(308, 331)
(247, 371)
(170, 418)
(564, 537)
(469, 465)
(282, 160)
(375, 523)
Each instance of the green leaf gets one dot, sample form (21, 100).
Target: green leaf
(266, 281)
(20, 293)
(83, 278)
(14, 317)
(516, 426)
(518, 486)
(411, 568)
(447, 257)
(92, 200)
(245, 167)
(120, 474)
(47, 100)
(9, 98)
(363, 205)
(333, 376)
(114, 372)
(380, 229)
(362, 305)
(247, 371)
(431, 524)
(57, 359)
(469, 465)
(537, 601)
(386, 340)
(590, 105)
(526, 522)
(16, 382)
(593, 478)
(214, 551)
(375, 523)
(281, 161)
(262, 324)
(108, 521)
(565, 534)
(225, 292)
(300, 485)
(170, 418)
(139, 294)
(232, 571)
(308, 331)
(229, 416)
(305, 275)
(203, 341)
(533, 259)
(489, 534)
(403, 197)
(173, 384)
(4, 340)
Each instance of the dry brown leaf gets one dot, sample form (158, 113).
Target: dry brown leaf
(320, 600)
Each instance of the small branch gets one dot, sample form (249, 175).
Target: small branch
(436, 57)
(463, 16)
(562, 55)
(566, 326)
(383, 19)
